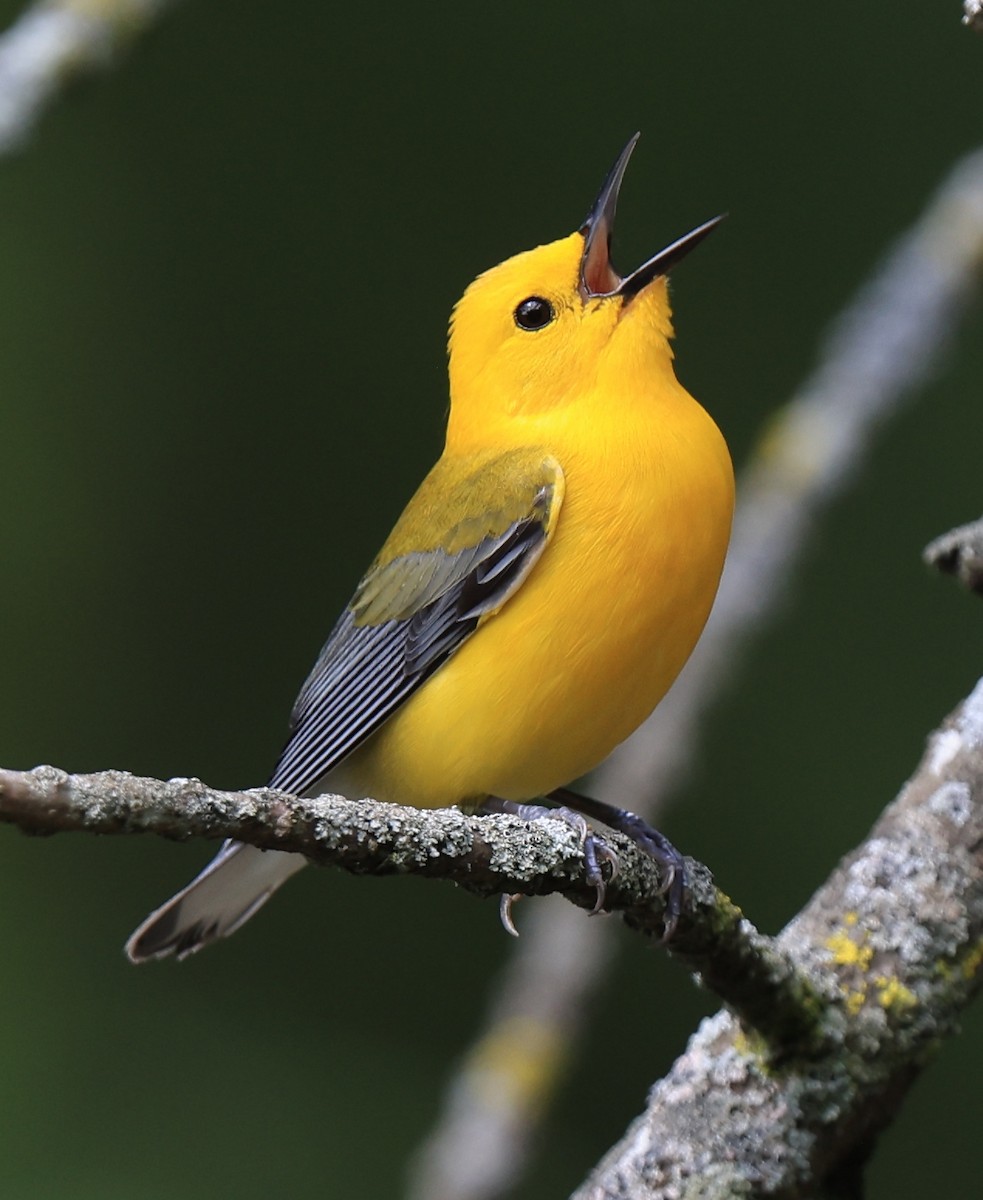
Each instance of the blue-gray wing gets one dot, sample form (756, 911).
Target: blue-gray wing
(406, 619)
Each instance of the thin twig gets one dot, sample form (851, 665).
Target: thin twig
(880, 352)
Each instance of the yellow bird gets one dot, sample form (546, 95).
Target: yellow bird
(543, 587)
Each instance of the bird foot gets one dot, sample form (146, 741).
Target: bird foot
(595, 850)
(647, 838)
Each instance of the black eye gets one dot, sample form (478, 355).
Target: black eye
(534, 313)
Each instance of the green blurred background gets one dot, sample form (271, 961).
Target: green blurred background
(225, 274)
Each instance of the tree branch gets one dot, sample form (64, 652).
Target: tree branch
(53, 43)
(894, 940)
(485, 854)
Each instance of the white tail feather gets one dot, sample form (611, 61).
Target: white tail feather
(237, 881)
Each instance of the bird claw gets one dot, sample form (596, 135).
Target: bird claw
(505, 911)
(672, 882)
(595, 850)
(674, 891)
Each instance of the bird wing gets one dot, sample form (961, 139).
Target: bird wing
(464, 545)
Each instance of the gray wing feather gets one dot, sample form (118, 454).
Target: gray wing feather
(366, 671)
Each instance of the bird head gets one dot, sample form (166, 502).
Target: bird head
(551, 326)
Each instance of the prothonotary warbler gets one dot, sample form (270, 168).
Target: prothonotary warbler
(543, 587)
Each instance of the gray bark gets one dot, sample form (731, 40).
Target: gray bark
(893, 943)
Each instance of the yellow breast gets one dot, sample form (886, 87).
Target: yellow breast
(578, 658)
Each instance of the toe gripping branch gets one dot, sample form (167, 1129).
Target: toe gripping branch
(647, 838)
(572, 809)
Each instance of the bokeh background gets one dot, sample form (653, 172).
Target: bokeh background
(225, 275)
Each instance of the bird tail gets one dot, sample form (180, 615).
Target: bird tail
(238, 881)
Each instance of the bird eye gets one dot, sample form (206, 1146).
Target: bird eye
(533, 313)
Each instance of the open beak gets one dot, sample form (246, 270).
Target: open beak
(597, 276)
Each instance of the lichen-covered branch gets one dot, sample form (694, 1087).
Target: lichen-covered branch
(55, 42)
(486, 854)
(894, 942)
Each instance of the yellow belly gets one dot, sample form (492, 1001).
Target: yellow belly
(578, 658)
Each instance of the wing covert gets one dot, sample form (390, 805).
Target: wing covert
(415, 607)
